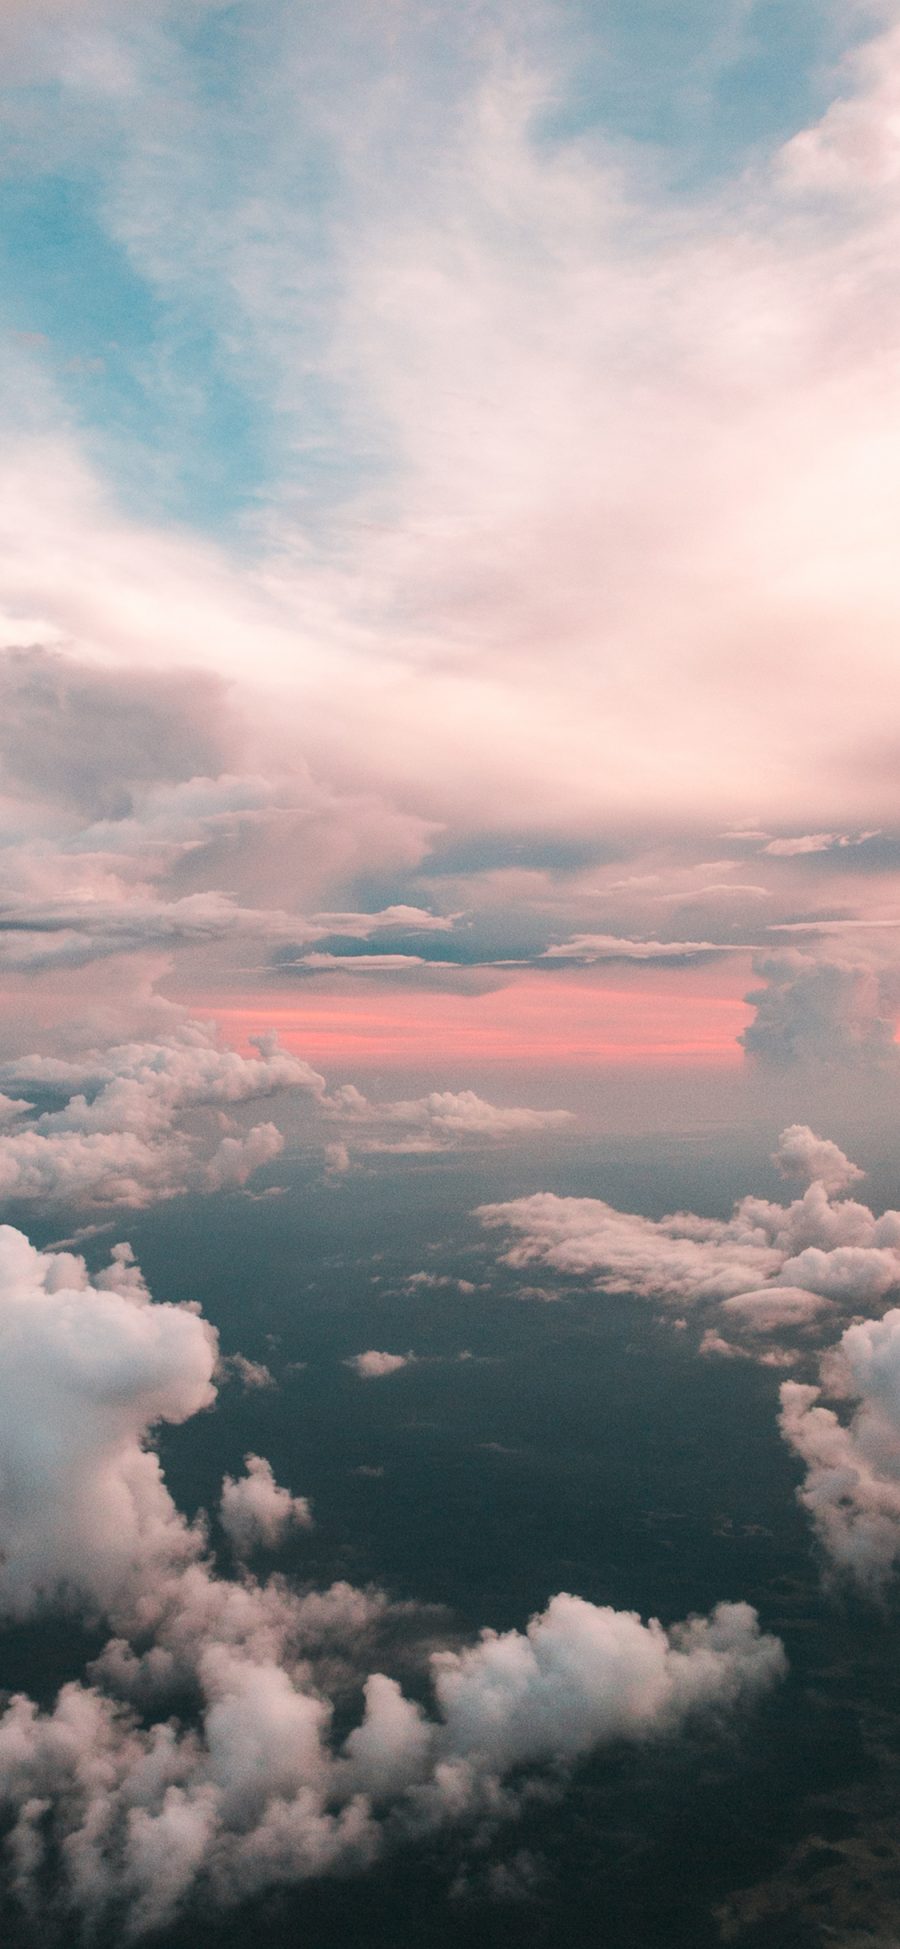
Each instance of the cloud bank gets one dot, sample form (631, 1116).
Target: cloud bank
(143, 1120)
(765, 1268)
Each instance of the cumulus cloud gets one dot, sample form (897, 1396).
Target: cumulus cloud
(852, 1482)
(442, 1120)
(255, 1512)
(140, 1121)
(140, 1810)
(514, 1699)
(822, 1011)
(714, 1346)
(801, 1154)
(766, 1267)
(373, 1366)
(682, 1257)
(237, 1158)
(86, 1369)
(251, 1373)
(120, 1137)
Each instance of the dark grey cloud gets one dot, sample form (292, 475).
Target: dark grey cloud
(821, 1012)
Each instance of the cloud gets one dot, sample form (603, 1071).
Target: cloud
(141, 1811)
(824, 1012)
(856, 1274)
(132, 795)
(765, 1268)
(360, 964)
(855, 148)
(480, 495)
(237, 1158)
(811, 842)
(801, 1154)
(441, 1120)
(591, 948)
(713, 1346)
(85, 1371)
(255, 1512)
(852, 1483)
(409, 615)
(62, 934)
(91, 738)
(141, 1121)
(678, 1258)
(373, 1366)
(585, 1674)
(251, 1373)
(337, 1160)
(775, 1306)
(359, 927)
(120, 1138)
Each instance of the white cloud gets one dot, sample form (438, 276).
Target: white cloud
(601, 445)
(856, 1274)
(373, 1366)
(852, 1483)
(855, 148)
(251, 1373)
(256, 1512)
(678, 1258)
(801, 1154)
(810, 842)
(237, 1158)
(713, 1346)
(359, 926)
(584, 1674)
(442, 1120)
(362, 964)
(85, 1371)
(766, 1267)
(120, 1138)
(773, 1307)
(591, 948)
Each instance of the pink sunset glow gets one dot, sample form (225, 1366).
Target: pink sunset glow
(536, 1021)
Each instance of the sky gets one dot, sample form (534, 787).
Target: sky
(449, 704)
(446, 521)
